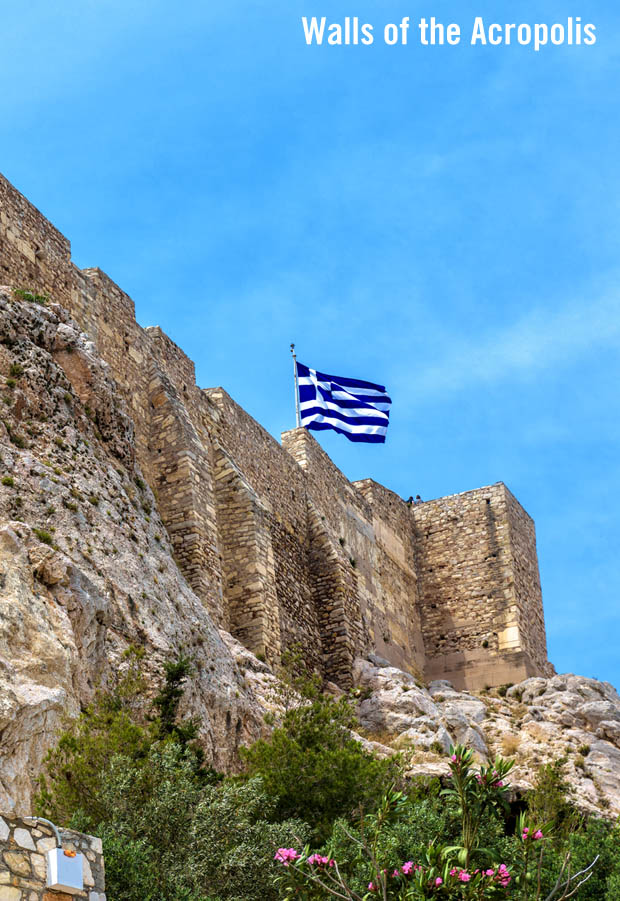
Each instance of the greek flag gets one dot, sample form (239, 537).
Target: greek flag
(359, 410)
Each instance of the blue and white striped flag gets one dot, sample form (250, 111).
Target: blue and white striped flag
(359, 410)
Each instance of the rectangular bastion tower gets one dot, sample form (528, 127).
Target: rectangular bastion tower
(279, 545)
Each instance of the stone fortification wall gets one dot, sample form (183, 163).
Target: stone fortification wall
(527, 589)
(277, 543)
(263, 518)
(33, 254)
(472, 600)
(23, 866)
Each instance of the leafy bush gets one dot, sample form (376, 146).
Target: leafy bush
(315, 769)
(127, 771)
(173, 830)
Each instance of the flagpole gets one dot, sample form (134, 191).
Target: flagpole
(296, 386)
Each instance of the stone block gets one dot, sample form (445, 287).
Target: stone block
(18, 862)
(10, 893)
(24, 839)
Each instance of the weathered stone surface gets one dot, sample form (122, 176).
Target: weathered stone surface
(18, 862)
(85, 570)
(88, 875)
(9, 893)
(24, 839)
(38, 865)
(538, 721)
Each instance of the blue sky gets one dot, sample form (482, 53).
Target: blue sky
(443, 220)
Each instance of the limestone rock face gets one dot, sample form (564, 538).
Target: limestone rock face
(536, 721)
(86, 568)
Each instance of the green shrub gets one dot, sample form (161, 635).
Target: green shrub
(8, 481)
(31, 297)
(125, 770)
(315, 769)
(549, 802)
(44, 536)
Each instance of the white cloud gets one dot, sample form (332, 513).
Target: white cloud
(540, 340)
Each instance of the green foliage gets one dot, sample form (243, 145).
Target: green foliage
(127, 770)
(549, 802)
(167, 701)
(44, 536)
(313, 766)
(31, 297)
(112, 726)
(8, 481)
(171, 831)
(233, 841)
(478, 794)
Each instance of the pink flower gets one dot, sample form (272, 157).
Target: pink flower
(407, 867)
(453, 872)
(371, 886)
(464, 877)
(454, 758)
(284, 855)
(489, 872)
(538, 834)
(317, 860)
(395, 874)
(499, 783)
(438, 881)
(503, 876)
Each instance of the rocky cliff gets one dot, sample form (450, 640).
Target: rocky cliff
(86, 568)
(535, 722)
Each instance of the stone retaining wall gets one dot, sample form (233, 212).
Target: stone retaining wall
(23, 865)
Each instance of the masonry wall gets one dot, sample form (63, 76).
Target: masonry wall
(34, 256)
(472, 599)
(23, 873)
(278, 544)
(263, 522)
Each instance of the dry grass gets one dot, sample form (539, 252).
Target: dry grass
(381, 736)
(510, 744)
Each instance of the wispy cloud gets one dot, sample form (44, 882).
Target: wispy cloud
(539, 340)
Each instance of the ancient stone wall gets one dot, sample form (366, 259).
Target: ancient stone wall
(470, 595)
(277, 543)
(23, 873)
(34, 256)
